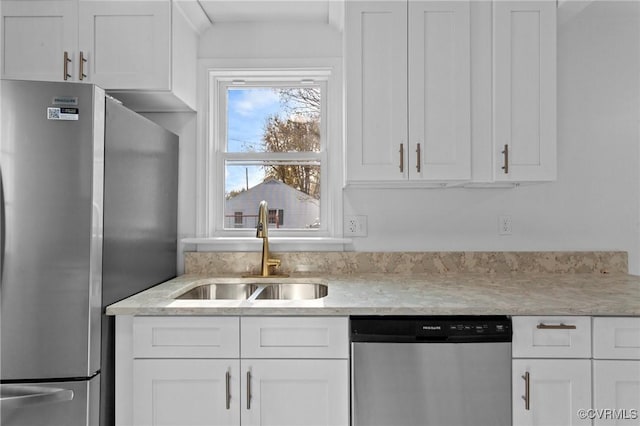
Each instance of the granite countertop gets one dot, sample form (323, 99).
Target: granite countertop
(410, 294)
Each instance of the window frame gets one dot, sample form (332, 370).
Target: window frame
(211, 158)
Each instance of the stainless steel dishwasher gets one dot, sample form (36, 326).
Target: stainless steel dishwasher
(431, 371)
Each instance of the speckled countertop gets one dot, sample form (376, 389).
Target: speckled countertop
(411, 294)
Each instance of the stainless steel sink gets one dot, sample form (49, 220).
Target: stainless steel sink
(256, 291)
(293, 291)
(219, 291)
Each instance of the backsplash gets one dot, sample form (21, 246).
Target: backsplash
(605, 262)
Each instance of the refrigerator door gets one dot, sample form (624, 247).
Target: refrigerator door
(51, 159)
(140, 220)
(50, 404)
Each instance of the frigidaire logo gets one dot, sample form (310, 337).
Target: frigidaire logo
(431, 327)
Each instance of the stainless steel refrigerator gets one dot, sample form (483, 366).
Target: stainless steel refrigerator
(88, 216)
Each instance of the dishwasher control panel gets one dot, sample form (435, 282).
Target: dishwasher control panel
(431, 329)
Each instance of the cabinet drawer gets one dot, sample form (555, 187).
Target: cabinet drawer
(287, 337)
(616, 338)
(551, 337)
(186, 337)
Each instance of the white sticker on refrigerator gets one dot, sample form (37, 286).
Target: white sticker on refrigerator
(62, 113)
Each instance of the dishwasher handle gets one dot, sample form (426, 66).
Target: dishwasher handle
(23, 396)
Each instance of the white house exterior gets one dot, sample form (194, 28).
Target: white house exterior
(288, 207)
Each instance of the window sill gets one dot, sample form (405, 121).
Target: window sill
(275, 243)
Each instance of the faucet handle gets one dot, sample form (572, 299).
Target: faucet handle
(274, 262)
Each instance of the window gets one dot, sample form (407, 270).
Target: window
(276, 217)
(238, 219)
(269, 139)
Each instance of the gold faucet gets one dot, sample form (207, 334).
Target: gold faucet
(263, 232)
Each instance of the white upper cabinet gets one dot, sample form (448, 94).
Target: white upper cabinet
(524, 104)
(127, 45)
(408, 95)
(37, 38)
(144, 52)
(376, 70)
(439, 90)
(450, 92)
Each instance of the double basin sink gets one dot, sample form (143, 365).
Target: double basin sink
(256, 291)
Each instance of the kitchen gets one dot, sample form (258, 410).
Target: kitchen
(594, 204)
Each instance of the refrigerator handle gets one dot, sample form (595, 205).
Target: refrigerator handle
(23, 396)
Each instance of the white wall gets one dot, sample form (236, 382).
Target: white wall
(270, 40)
(595, 203)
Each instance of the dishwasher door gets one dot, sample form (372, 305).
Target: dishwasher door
(431, 384)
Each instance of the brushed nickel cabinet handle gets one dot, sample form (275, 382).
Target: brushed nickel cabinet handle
(418, 161)
(248, 390)
(65, 66)
(527, 394)
(560, 326)
(228, 389)
(82, 61)
(505, 153)
(401, 158)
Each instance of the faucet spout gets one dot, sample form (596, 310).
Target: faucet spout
(263, 222)
(263, 232)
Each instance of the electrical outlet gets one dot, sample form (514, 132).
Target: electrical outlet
(504, 225)
(355, 226)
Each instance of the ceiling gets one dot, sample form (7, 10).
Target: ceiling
(205, 13)
(266, 10)
(211, 12)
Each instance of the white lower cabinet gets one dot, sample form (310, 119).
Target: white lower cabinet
(616, 392)
(188, 371)
(551, 370)
(186, 392)
(549, 392)
(565, 382)
(295, 392)
(616, 371)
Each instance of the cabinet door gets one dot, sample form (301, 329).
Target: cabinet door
(295, 392)
(439, 90)
(557, 389)
(35, 35)
(525, 90)
(186, 392)
(376, 68)
(127, 45)
(616, 392)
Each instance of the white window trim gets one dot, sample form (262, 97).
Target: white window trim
(210, 165)
(219, 82)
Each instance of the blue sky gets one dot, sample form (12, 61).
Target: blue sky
(248, 110)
